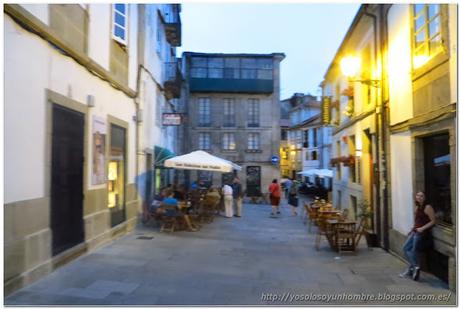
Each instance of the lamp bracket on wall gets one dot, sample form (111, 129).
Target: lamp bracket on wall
(370, 82)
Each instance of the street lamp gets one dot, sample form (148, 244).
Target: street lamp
(350, 66)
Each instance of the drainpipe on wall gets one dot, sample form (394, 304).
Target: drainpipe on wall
(378, 135)
(385, 110)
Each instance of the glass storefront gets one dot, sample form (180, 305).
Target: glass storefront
(117, 175)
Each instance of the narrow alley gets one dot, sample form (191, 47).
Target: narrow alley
(253, 260)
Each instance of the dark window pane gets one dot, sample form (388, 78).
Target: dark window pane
(231, 73)
(119, 32)
(232, 62)
(248, 63)
(215, 63)
(248, 74)
(264, 63)
(215, 73)
(264, 74)
(199, 62)
(120, 20)
(198, 72)
(120, 8)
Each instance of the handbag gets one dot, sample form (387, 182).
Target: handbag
(426, 242)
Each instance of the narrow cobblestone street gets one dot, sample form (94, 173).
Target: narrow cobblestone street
(237, 261)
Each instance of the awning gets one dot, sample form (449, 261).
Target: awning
(201, 160)
(317, 172)
(162, 154)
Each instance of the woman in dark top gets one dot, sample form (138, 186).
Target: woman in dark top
(419, 235)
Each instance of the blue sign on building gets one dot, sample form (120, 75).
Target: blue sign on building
(275, 159)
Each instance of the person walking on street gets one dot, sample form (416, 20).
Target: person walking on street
(293, 201)
(419, 238)
(275, 195)
(237, 196)
(287, 186)
(228, 200)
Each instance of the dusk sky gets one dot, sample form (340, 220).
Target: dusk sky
(309, 34)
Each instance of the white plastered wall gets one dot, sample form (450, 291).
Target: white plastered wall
(401, 184)
(25, 111)
(453, 41)
(399, 63)
(38, 10)
(24, 114)
(400, 95)
(99, 34)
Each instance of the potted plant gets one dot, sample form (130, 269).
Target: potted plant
(365, 215)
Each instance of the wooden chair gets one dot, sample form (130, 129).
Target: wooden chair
(168, 222)
(209, 207)
(345, 236)
(324, 229)
(312, 216)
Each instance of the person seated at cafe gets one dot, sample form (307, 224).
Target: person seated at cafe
(179, 192)
(170, 200)
(194, 185)
(156, 202)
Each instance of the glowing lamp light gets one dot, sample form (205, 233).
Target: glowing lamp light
(350, 66)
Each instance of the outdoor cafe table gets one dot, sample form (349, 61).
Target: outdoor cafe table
(341, 230)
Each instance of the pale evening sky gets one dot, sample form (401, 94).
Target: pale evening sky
(309, 34)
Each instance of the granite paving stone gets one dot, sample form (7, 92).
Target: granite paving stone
(231, 261)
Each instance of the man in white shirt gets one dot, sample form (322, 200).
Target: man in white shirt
(228, 200)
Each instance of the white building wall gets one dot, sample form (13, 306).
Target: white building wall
(99, 34)
(45, 69)
(399, 63)
(40, 11)
(25, 156)
(401, 186)
(453, 41)
(132, 45)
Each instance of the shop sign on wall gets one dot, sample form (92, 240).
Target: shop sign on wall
(99, 137)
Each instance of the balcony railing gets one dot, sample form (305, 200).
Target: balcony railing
(173, 80)
(173, 28)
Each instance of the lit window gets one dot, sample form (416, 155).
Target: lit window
(120, 23)
(228, 141)
(427, 33)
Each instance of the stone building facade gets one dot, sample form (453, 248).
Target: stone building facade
(76, 139)
(422, 96)
(394, 123)
(233, 111)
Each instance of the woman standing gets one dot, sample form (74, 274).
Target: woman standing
(293, 201)
(419, 237)
(275, 194)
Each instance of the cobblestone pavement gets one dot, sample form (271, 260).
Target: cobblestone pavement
(253, 260)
